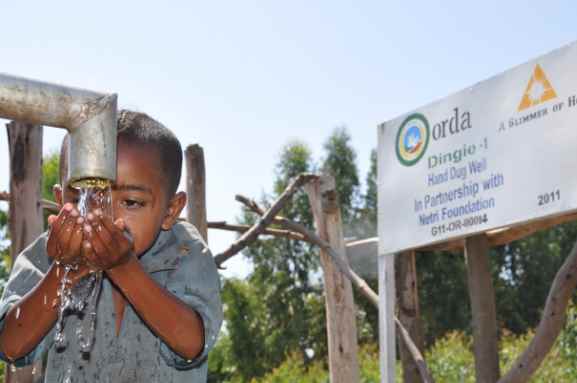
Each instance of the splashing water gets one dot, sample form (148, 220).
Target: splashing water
(83, 298)
(65, 293)
(67, 378)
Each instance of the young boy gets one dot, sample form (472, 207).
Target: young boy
(159, 311)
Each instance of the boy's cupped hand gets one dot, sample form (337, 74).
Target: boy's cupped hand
(65, 236)
(64, 243)
(105, 243)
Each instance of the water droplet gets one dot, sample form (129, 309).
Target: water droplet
(67, 378)
(17, 312)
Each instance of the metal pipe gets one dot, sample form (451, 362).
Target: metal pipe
(89, 117)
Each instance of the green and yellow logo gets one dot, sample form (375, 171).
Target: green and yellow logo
(412, 139)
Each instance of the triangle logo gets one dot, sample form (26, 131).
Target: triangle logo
(538, 90)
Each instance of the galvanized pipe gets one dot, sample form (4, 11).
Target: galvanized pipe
(89, 117)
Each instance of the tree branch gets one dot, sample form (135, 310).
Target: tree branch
(265, 220)
(355, 279)
(551, 324)
(244, 228)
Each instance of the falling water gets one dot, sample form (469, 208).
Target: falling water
(82, 299)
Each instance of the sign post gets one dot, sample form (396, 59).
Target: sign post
(500, 153)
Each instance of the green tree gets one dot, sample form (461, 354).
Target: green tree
(279, 310)
(443, 293)
(245, 320)
(523, 272)
(357, 214)
(269, 315)
(341, 162)
(5, 261)
(50, 174)
(370, 210)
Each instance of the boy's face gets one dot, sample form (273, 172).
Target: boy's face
(139, 195)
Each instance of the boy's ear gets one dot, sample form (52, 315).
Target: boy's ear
(175, 206)
(57, 193)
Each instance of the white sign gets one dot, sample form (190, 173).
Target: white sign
(500, 153)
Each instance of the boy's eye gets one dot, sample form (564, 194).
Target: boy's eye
(131, 204)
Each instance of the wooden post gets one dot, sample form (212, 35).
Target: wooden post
(196, 189)
(387, 348)
(25, 147)
(341, 321)
(409, 312)
(25, 211)
(482, 297)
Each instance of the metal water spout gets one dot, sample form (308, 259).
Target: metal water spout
(89, 117)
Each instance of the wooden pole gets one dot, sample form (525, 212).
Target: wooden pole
(409, 312)
(25, 209)
(482, 297)
(196, 189)
(361, 247)
(341, 322)
(387, 344)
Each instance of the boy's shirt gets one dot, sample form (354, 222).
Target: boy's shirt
(180, 261)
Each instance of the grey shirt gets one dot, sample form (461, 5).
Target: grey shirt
(181, 262)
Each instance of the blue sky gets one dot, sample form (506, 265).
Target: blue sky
(244, 78)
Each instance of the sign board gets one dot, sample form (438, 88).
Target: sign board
(500, 153)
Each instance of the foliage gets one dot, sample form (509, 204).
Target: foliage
(294, 370)
(522, 275)
(269, 315)
(370, 208)
(451, 358)
(357, 214)
(443, 294)
(340, 161)
(279, 310)
(5, 264)
(568, 338)
(244, 317)
(276, 321)
(5, 260)
(50, 174)
(523, 272)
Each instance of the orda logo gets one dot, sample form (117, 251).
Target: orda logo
(414, 134)
(412, 139)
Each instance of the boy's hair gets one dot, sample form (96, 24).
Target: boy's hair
(139, 128)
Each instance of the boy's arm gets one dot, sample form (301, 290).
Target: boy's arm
(180, 327)
(29, 320)
(171, 317)
(31, 317)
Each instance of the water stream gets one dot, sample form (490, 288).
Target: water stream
(82, 299)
